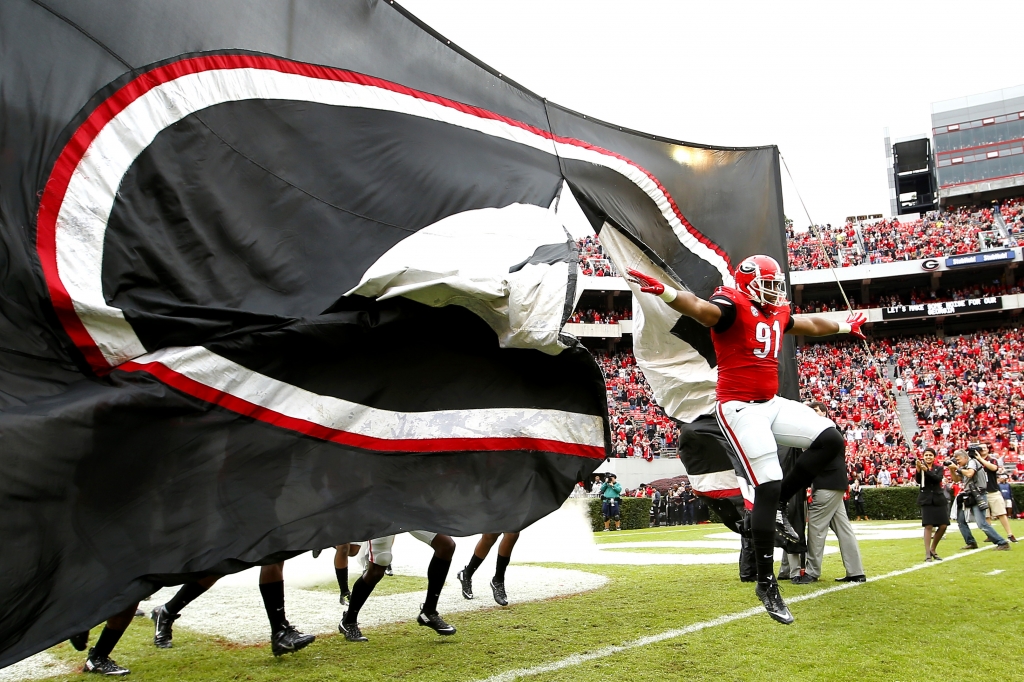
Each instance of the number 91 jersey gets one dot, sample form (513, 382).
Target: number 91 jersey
(747, 343)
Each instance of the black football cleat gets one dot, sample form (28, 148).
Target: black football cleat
(498, 590)
(784, 531)
(466, 582)
(805, 579)
(163, 622)
(351, 630)
(344, 597)
(388, 571)
(103, 665)
(79, 641)
(768, 593)
(435, 622)
(288, 640)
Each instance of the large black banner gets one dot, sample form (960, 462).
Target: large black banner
(266, 272)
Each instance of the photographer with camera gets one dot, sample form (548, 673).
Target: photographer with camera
(611, 494)
(933, 502)
(996, 504)
(968, 469)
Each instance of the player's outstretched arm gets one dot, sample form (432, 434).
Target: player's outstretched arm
(706, 313)
(814, 325)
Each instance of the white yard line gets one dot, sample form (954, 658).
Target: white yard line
(577, 659)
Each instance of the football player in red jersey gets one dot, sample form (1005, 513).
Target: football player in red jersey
(747, 324)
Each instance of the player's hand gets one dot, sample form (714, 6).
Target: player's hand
(648, 284)
(856, 321)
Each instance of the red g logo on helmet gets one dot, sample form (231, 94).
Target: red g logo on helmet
(762, 280)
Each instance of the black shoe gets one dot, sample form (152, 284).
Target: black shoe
(768, 593)
(748, 579)
(936, 557)
(435, 622)
(852, 579)
(805, 579)
(163, 621)
(288, 639)
(388, 571)
(498, 590)
(351, 630)
(467, 583)
(780, 578)
(344, 597)
(103, 665)
(784, 531)
(79, 641)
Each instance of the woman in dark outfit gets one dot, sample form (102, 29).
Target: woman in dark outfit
(933, 503)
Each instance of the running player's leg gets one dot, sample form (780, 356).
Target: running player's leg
(378, 559)
(508, 541)
(747, 426)
(465, 576)
(341, 556)
(284, 638)
(164, 616)
(437, 571)
(99, 660)
(797, 425)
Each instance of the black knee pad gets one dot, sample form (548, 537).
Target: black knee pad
(830, 440)
(618, 518)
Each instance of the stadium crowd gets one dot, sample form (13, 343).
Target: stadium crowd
(939, 233)
(639, 427)
(963, 389)
(592, 316)
(593, 261)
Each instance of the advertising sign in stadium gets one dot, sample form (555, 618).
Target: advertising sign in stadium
(980, 258)
(972, 305)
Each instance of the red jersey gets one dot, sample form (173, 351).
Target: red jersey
(747, 344)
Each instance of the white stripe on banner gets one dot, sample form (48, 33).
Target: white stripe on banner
(577, 659)
(216, 372)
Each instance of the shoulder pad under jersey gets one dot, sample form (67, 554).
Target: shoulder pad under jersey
(734, 295)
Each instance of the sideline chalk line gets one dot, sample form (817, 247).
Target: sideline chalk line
(577, 659)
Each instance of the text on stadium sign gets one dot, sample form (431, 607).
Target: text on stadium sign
(971, 305)
(979, 258)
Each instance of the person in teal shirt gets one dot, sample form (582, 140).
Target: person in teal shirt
(611, 493)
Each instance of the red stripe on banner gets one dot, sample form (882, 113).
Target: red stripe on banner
(308, 428)
(57, 184)
(736, 444)
(730, 492)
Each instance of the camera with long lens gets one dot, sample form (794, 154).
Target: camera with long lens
(974, 451)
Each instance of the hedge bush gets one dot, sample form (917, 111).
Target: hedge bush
(635, 513)
(890, 503)
(1017, 492)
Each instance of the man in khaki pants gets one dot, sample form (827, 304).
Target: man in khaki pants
(996, 503)
(828, 510)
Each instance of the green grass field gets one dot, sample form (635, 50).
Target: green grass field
(959, 619)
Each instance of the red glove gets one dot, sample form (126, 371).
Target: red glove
(856, 321)
(648, 284)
